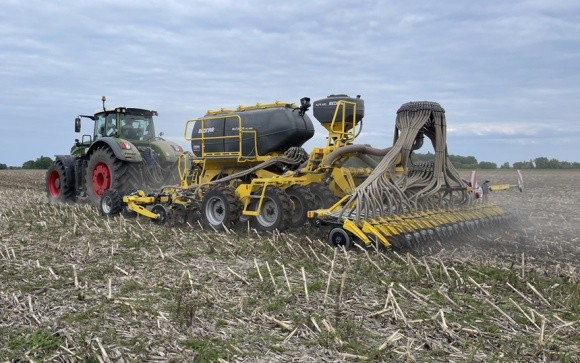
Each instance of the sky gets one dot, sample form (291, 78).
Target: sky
(506, 72)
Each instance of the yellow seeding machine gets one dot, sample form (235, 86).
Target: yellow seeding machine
(248, 165)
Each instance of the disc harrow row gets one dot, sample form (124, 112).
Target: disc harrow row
(409, 228)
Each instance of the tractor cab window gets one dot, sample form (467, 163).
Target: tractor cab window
(106, 125)
(134, 127)
(111, 125)
(100, 126)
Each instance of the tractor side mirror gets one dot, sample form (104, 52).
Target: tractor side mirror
(78, 124)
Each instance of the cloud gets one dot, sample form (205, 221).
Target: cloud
(502, 70)
(498, 130)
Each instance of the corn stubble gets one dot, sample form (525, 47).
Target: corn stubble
(77, 286)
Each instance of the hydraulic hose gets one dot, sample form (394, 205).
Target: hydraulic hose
(354, 149)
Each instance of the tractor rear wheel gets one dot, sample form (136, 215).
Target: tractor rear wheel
(276, 211)
(105, 171)
(220, 207)
(302, 201)
(58, 187)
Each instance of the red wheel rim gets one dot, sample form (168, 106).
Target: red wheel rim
(54, 184)
(101, 178)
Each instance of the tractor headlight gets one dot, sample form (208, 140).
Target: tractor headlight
(125, 146)
(177, 148)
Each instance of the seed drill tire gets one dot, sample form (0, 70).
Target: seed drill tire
(323, 196)
(220, 207)
(276, 211)
(302, 201)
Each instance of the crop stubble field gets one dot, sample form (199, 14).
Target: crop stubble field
(75, 286)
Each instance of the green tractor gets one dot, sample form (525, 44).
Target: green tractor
(122, 153)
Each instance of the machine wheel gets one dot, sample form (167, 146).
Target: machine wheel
(276, 211)
(220, 207)
(161, 211)
(323, 197)
(339, 237)
(105, 171)
(111, 203)
(58, 187)
(302, 201)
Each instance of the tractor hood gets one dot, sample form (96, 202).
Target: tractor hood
(168, 151)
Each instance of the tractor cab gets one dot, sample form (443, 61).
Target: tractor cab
(133, 124)
(122, 152)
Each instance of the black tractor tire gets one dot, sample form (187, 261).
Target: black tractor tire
(111, 203)
(276, 211)
(323, 196)
(105, 171)
(220, 207)
(338, 237)
(302, 201)
(59, 188)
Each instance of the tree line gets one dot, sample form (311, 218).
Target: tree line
(470, 162)
(460, 162)
(545, 163)
(42, 162)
